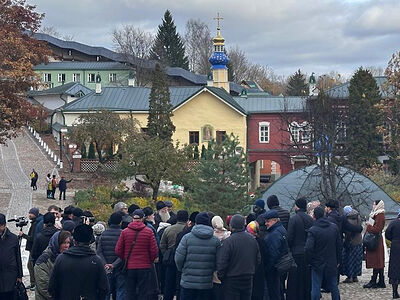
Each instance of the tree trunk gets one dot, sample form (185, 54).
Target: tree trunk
(98, 150)
(155, 191)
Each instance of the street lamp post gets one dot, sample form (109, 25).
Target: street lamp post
(62, 131)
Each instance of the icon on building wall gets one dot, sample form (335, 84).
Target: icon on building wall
(207, 131)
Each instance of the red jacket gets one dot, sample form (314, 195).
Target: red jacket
(145, 250)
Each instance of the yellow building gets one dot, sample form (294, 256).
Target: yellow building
(201, 113)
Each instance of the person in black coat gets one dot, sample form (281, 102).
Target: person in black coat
(276, 246)
(393, 234)
(237, 261)
(36, 224)
(62, 186)
(323, 251)
(299, 279)
(43, 238)
(78, 272)
(284, 215)
(10, 261)
(106, 250)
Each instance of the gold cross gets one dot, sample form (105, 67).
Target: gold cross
(218, 18)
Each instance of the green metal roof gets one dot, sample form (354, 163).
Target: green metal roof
(66, 89)
(272, 104)
(78, 65)
(342, 91)
(137, 98)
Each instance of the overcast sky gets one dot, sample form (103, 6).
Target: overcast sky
(313, 35)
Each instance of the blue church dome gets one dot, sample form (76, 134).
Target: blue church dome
(218, 60)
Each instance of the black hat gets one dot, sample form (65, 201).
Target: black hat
(138, 214)
(301, 203)
(182, 216)
(132, 208)
(87, 213)
(332, 204)
(77, 212)
(168, 203)
(272, 201)
(2, 219)
(69, 210)
(148, 211)
(172, 220)
(237, 222)
(115, 218)
(49, 218)
(203, 219)
(193, 215)
(160, 205)
(68, 225)
(318, 212)
(83, 233)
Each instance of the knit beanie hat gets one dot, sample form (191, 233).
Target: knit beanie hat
(83, 233)
(301, 203)
(260, 203)
(182, 216)
(68, 225)
(132, 208)
(203, 219)
(49, 218)
(148, 211)
(160, 205)
(115, 219)
(34, 211)
(192, 217)
(237, 222)
(272, 201)
(217, 222)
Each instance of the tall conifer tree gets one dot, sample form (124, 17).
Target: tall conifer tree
(362, 140)
(168, 47)
(297, 85)
(160, 108)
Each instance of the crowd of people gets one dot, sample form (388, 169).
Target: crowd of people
(143, 254)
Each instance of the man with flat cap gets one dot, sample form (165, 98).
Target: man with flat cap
(276, 246)
(79, 273)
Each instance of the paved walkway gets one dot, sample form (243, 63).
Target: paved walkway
(21, 193)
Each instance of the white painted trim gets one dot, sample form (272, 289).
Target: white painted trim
(264, 123)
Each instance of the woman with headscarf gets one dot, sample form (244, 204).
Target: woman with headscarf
(59, 242)
(392, 233)
(375, 259)
(258, 279)
(222, 234)
(352, 248)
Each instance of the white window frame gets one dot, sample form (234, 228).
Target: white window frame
(60, 77)
(112, 77)
(76, 77)
(262, 138)
(294, 129)
(46, 77)
(89, 75)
